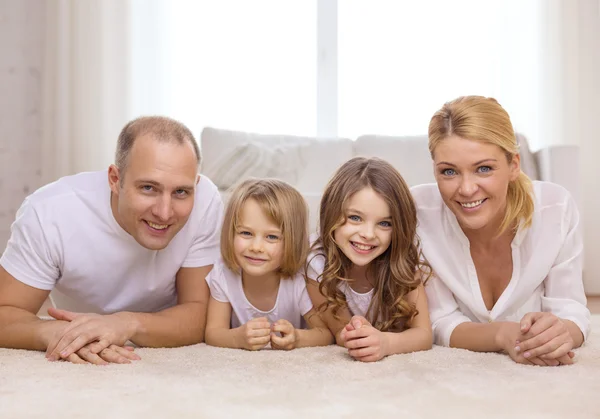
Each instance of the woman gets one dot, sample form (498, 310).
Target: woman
(506, 252)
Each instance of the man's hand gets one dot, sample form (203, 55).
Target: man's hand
(545, 336)
(255, 334)
(364, 342)
(288, 337)
(113, 354)
(102, 330)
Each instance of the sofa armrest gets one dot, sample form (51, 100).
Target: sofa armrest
(560, 164)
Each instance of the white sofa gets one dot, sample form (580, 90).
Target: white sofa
(308, 163)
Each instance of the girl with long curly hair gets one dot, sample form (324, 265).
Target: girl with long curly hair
(365, 272)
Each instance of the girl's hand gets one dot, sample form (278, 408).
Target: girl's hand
(288, 337)
(356, 322)
(255, 334)
(364, 342)
(545, 336)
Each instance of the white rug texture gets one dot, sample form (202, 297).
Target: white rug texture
(205, 382)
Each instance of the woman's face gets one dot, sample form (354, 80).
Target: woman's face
(473, 179)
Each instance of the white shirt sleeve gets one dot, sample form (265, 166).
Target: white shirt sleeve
(564, 295)
(443, 310)
(205, 247)
(217, 283)
(316, 265)
(29, 256)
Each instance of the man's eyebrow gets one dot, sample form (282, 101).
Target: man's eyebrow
(160, 185)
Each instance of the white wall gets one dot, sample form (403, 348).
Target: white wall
(586, 73)
(21, 46)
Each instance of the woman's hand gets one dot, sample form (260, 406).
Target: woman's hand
(510, 333)
(545, 336)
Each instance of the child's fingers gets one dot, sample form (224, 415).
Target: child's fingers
(252, 324)
(362, 352)
(285, 328)
(358, 343)
(358, 333)
(358, 321)
(260, 340)
(258, 332)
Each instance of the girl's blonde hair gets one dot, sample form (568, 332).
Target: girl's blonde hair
(478, 118)
(395, 271)
(284, 206)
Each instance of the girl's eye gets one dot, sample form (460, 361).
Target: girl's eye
(448, 172)
(354, 218)
(244, 233)
(484, 169)
(272, 237)
(385, 224)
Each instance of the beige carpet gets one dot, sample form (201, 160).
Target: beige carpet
(202, 381)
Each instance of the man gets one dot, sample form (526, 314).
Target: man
(135, 250)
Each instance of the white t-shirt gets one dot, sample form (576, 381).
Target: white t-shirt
(292, 302)
(547, 272)
(358, 303)
(65, 236)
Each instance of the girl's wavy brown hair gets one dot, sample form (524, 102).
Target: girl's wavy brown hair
(397, 271)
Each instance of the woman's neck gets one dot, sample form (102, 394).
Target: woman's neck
(487, 238)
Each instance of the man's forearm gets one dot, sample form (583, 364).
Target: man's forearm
(180, 325)
(20, 329)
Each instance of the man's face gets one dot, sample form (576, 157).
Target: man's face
(153, 199)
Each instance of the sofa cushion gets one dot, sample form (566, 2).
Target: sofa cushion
(409, 155)
(305, 162)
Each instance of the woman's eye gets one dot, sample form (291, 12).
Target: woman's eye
(484, 169)
(448, 172)
(385, 224)
(354, 217)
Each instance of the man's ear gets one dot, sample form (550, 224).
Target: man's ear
(114, 179)
(197, 178)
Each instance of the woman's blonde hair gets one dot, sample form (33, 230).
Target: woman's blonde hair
(395, 272)
(284, 206)
(478, 118)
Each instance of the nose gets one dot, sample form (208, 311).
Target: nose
(163, 209)
(468, 186)
(256, 245)
(367, 231)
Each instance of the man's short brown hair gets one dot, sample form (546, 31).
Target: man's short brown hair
(163, 129)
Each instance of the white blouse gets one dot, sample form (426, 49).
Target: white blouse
(547, 264)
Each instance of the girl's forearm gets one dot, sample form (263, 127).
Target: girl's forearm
(411, 340)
